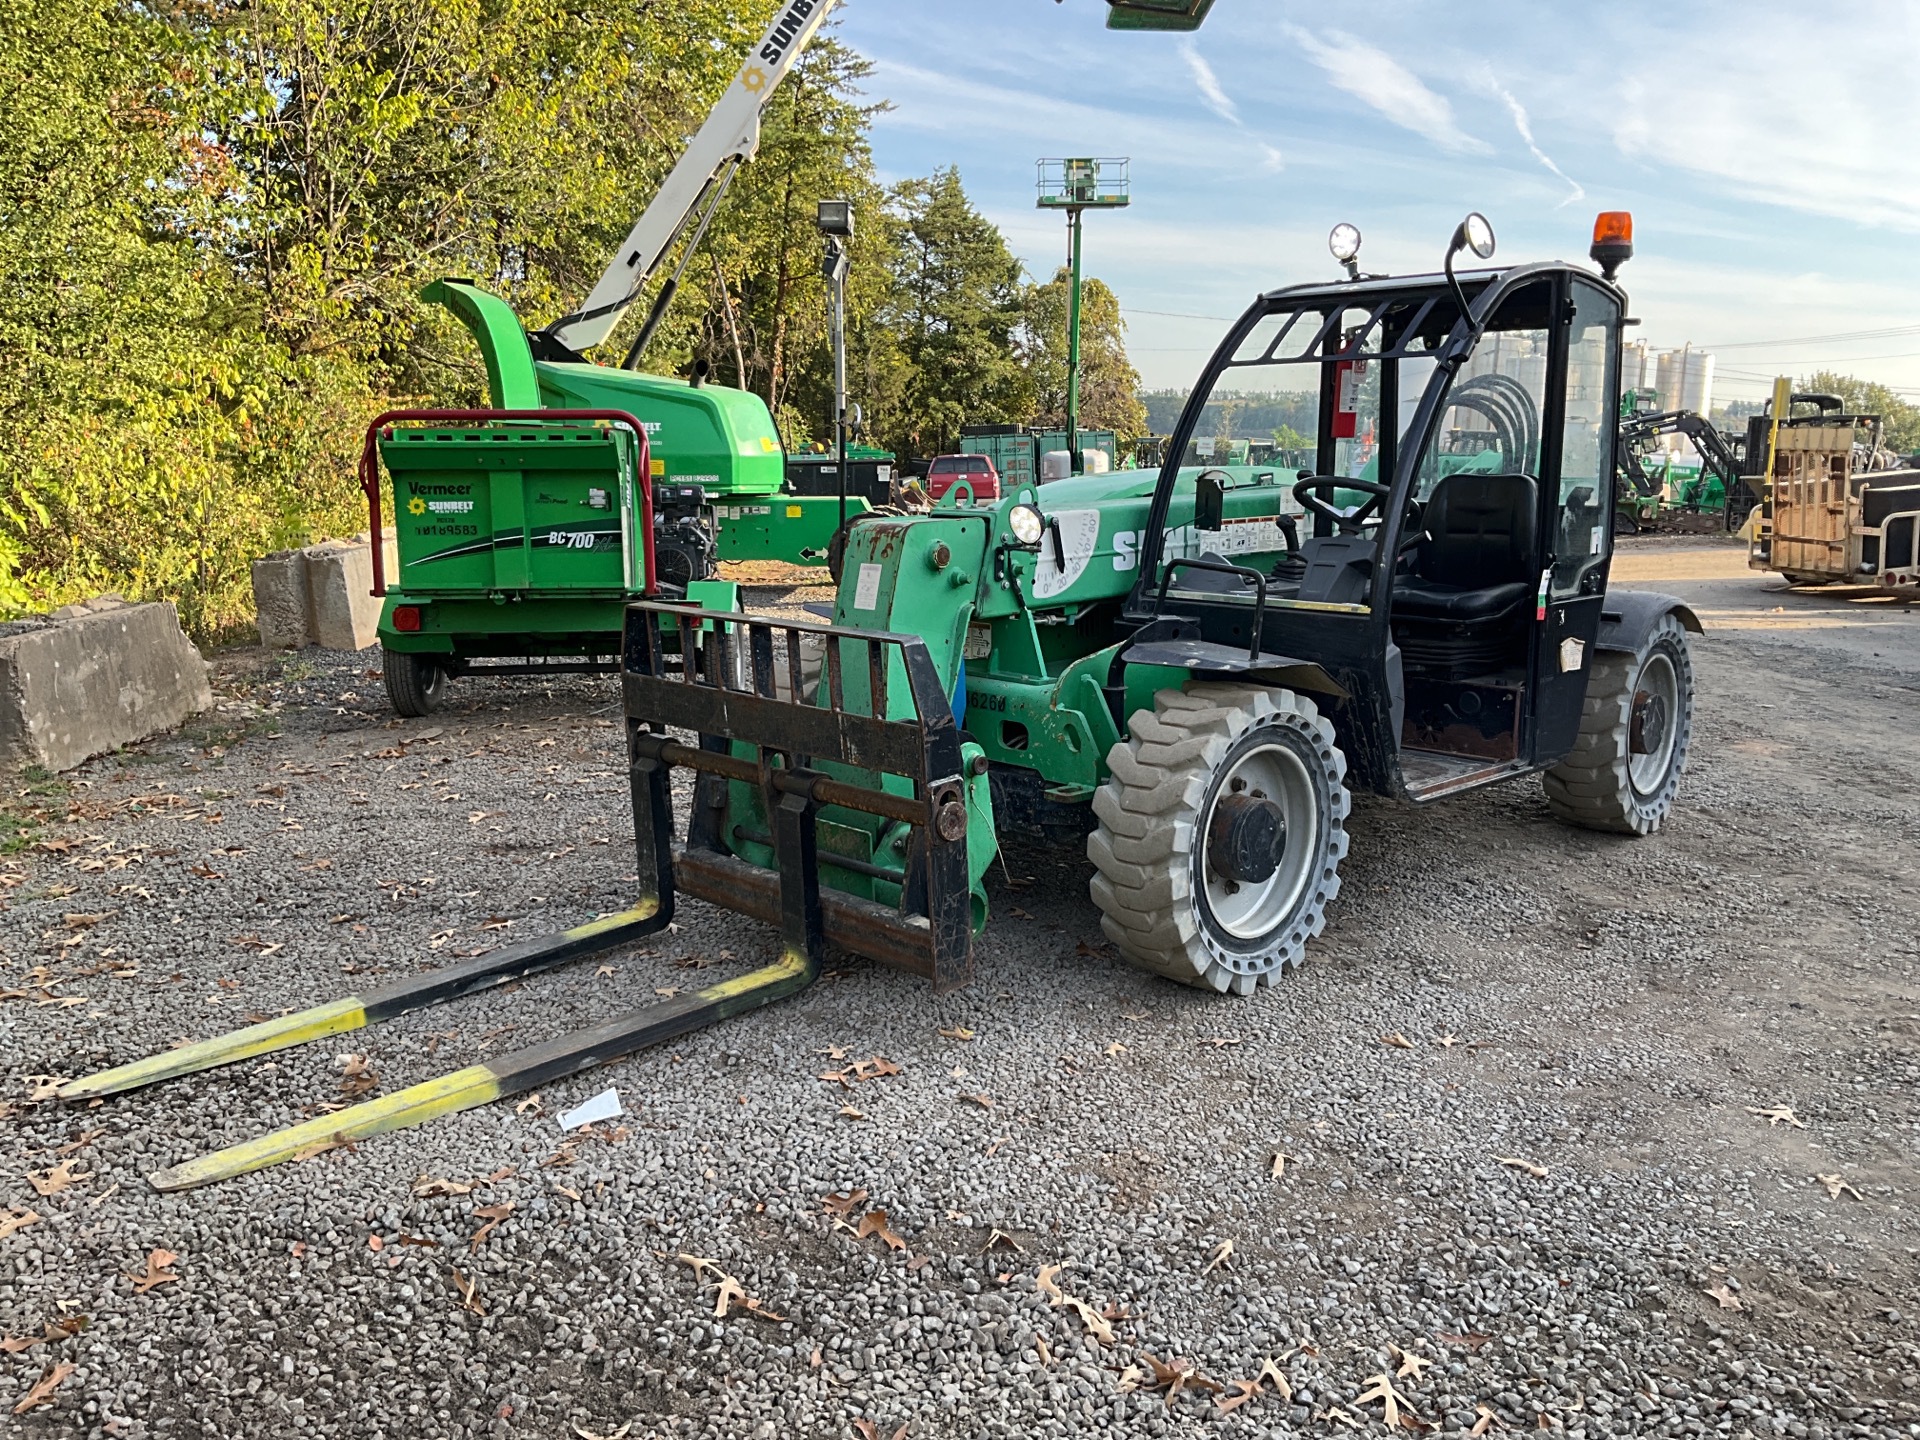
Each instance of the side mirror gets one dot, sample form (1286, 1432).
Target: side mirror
(1209, 502)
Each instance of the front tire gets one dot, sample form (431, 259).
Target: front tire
(416, 685)
(1635, 730)
(1220, 835)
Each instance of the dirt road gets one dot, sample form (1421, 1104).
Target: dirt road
(1584, 1135)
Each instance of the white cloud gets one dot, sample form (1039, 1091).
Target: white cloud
(1525, 127)
(1272, 161)
(1374, 77)
(1211, 90)
(1827, 129)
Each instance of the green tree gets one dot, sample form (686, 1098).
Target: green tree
(1109, 385)
(954, 307)
(1900, 417)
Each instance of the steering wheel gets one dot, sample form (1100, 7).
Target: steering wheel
(1311, 493)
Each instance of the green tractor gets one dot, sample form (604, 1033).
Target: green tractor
(1167, 662)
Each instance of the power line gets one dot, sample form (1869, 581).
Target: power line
(1839, 336)
(1176, 315)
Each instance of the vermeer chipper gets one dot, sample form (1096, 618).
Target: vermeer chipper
(1160, 660)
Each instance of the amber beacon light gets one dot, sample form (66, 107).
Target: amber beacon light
(1612, 241)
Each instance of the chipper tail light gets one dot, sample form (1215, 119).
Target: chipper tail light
(406, 618)
(1612, 241)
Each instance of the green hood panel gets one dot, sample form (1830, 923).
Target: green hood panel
(709, 435)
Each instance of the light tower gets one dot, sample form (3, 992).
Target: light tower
(1074, 186)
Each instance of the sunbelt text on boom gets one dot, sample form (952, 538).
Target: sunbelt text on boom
(788, 27)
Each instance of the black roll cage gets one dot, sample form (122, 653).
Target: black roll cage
(1486, 290)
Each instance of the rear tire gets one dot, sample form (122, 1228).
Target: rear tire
(416, 684)
(1635, 729)
(1171, 893)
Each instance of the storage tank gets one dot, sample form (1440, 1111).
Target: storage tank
(1685, 380)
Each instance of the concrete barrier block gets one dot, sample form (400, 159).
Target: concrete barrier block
(280, 600)
(95, 676)
(346, 614)
(322, 595)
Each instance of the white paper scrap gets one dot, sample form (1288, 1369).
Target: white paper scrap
(603, 1106)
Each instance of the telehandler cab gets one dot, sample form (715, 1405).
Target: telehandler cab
(1171, 661)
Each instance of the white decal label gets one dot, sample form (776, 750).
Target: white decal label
(1078, 531)
(1598, 538)
(1572, 651)
(866, 594)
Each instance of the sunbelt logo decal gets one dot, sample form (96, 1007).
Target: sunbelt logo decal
(417, 506)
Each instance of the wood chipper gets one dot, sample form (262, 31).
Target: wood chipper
(1162, 662)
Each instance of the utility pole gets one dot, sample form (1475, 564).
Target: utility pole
(835, 219)
(1074, 186)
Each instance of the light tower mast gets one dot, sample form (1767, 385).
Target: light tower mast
(1073, 186)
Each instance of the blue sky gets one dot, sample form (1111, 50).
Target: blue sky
(1771, 159)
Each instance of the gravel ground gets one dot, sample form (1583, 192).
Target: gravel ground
(1515, 1088)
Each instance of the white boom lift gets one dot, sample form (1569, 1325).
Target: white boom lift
(730, 137)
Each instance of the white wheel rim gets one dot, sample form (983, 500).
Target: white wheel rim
(1251, 911)
(1660, 680)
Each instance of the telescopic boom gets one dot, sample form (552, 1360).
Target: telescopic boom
(730, 136)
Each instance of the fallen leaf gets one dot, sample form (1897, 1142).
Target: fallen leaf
(335, 1141)
(847, 1112)
(1472, 1340)
(52, 1380)
(1728, 1300)
(1410, 1364)
(1776, 1115)
(844, 1203)
(1447, 1041)
(493, 1215)
(1280, 1158)
(869, 1431)
(1177, 1375)
(1276, 1377)
(1382, 1393)
(1221, 1042)
(1040, 1346)
(469, 1293)
(985, 1102)
(1836, 1187)
(1222, 1253)
(159, 1271)
(1096, 1323)
(357, 1076)
(1245, 1390)
(957, 1032)
(1397, 1040)
(1115, 1050)
(1538, 1172)
(426, 1188)
(566, 1190)
(529, 1106)
(1001, 1239)
(1018, 913)
(1043, 1282)
(874, 1222)
(52, 1182)
(1485, 1421)
(586, 1434)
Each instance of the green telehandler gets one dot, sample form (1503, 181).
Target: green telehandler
(1168, 662)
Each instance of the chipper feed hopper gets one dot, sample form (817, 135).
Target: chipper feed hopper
(1151, 659)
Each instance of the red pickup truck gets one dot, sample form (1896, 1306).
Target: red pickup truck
(977, 470)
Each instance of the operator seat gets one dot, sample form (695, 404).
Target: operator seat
(1462, 604)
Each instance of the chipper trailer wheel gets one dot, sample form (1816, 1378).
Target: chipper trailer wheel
(1220, 835)
(415, 685)
(1635, 729)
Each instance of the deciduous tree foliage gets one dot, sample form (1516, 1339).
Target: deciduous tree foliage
(1109, 385)
(216, 217)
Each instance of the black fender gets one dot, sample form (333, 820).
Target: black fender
(1627, 618)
